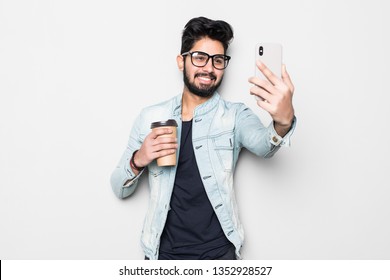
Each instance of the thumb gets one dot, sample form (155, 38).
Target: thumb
(286, 78)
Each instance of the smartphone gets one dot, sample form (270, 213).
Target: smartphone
(271, 55)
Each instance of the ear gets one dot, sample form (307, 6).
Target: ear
(180, 62)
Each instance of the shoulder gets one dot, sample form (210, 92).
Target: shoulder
(161, 106)
(234, 107)
(236, 112)
(160, 111)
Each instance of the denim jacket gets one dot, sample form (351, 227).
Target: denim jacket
(220, 129)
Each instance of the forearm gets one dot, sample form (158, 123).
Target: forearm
(124, 179)
(260, 140)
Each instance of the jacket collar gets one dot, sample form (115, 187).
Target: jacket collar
(201, 109)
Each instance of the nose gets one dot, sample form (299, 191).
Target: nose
(209, 66)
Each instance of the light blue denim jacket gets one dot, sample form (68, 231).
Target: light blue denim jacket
(219, 130)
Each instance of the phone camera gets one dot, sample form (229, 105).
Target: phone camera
(261, 50)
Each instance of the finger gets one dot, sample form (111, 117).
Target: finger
(163, 153)
(164, 140)
(286, 78)
(160, 131)
(258, 91)
(267, 73)
(266, 106)
(259, 82)
(162, 147)
(262, 84)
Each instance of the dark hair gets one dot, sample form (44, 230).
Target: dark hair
(200, 27)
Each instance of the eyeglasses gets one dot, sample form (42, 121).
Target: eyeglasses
(200, 59)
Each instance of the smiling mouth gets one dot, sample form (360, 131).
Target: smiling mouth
(206, 78)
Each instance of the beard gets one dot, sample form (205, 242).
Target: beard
(202, 90)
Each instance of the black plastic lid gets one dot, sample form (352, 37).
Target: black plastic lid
(169, 122)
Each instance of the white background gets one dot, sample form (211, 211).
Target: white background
(74, 74)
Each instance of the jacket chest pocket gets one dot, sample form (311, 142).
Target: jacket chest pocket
(223, 146)
(154, 170)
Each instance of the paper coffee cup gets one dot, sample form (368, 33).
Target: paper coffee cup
(168, 160)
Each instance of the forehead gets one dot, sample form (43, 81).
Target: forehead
(209, 46)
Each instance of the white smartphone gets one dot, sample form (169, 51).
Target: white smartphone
(271, 55)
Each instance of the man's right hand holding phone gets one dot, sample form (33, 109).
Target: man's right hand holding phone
(275, 97)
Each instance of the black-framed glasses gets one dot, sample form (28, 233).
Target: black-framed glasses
(200, 59)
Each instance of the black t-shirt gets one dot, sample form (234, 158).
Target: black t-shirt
(192, 230)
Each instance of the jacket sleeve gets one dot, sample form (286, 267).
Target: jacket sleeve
(258, 139)
(123, 180)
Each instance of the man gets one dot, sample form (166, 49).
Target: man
(192, 211)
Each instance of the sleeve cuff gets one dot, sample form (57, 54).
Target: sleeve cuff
(277, 140)
(132, 178)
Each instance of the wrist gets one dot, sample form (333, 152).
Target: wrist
(285, 124)
(283, 128)
(133, 164)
